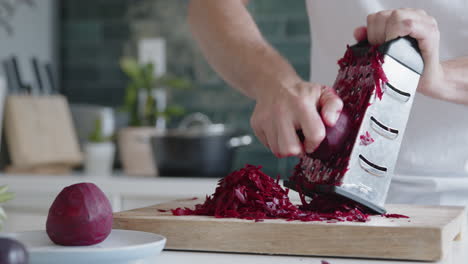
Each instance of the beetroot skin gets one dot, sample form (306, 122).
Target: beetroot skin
(335, 138)
(80, 215)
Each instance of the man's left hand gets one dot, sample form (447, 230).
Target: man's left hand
(390, 24)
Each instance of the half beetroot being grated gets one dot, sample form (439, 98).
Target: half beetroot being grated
(250, 194)
(359, 78)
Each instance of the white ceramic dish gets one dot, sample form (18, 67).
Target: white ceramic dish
(121, 247)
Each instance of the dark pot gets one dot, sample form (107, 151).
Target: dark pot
(197, 148)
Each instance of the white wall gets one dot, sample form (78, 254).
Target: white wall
(34, 35)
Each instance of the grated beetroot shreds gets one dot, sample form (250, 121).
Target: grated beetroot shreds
(395, 216)
(247, 193)
(330, 207)
(380, 78)
(366, 139)
(250, 194)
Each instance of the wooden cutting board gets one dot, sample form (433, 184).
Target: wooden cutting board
(426, 235)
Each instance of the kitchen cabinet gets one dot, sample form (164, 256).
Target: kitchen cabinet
(35, 193)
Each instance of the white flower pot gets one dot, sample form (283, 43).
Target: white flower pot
(99, 158)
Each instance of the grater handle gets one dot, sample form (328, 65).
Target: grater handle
(405, 50)
(361, 48)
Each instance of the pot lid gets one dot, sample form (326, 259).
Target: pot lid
(198, 124)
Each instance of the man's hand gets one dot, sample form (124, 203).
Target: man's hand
(390, 24)
(233, 45)
(279, 112)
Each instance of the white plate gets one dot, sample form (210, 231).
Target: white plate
(120, 247)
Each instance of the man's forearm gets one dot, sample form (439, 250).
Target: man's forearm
(233, 45)
(456, 80)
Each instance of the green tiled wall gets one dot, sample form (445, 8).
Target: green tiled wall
(96, 33)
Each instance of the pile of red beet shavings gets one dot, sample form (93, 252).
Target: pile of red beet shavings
(334, 208)
(250, 194)
(247, 193)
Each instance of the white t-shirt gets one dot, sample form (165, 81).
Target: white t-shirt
(433, 162)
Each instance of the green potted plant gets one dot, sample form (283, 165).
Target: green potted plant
(146, 102)
(5, 195)
(146, 94)
(99, 152)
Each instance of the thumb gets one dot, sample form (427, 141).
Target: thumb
(360, 33)
(330, 105)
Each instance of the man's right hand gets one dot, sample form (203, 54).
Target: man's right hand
(233, 45)
(280, 112)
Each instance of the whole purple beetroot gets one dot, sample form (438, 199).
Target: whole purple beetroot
(80, 215)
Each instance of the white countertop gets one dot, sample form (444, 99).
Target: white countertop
(459, 255)
(118, 183)
(177, 187)
(115, 186)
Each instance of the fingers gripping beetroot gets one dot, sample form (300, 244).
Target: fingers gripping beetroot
(335, 138)
(80, 215)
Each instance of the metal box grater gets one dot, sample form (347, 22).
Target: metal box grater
(370, 167)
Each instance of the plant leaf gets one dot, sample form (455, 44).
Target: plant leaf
(131, 97)
(6, 196)
(96, 133)
(142, 78)
(3, 188)
(148, 77)
(170, 112)
(175, 110)
(130, 67)
(3, 215)
(174, 82)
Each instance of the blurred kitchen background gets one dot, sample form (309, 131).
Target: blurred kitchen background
(85, 41)
(93, 89)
